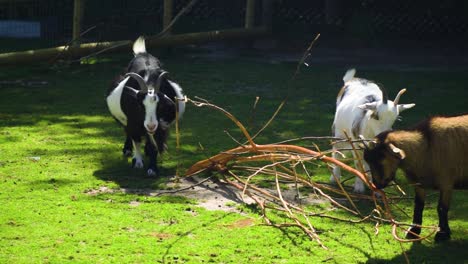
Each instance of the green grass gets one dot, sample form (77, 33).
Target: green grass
(58, 142)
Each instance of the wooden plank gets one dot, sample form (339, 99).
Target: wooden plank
(250, 14)
(168, 11)
(16, 1)
(78, 9)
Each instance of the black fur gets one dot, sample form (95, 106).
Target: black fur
(149, 68)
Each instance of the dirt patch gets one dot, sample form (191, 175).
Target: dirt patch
(242, 223)
(211, 195)
(161, 236)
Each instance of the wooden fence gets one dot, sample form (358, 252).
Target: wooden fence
(77, 50)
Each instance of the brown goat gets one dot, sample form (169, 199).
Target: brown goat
(433, 155)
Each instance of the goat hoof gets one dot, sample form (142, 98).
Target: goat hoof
(413, 232)
(153, 172)
(333, 179)
(442, 236)
(127, 153)
(359, 188)
(137, 163)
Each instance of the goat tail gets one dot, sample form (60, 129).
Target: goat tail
(139, 46)
(349, 75)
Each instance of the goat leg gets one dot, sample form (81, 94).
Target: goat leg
(128, 147)
(137, 161)
(442, 209)
(419, 200)
(151, 152)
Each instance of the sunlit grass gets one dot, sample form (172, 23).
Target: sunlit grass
(58, 143)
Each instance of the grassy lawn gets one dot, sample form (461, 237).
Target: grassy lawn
(58, 143)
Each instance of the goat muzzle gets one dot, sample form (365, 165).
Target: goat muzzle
(151, 128)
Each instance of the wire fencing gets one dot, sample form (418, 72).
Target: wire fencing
(49, 22)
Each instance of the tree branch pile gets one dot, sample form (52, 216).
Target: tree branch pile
(250, 166)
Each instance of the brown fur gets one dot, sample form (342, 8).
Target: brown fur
(341, 93)
(436, 157)
(433, 155)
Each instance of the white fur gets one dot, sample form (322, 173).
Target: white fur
(139, 46)
(151, 173)
(164, 124)
(180, 97)
(349, 109)
(113, 102)
(138, 155)
(151, 120)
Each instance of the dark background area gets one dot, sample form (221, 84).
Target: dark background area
(342, 23)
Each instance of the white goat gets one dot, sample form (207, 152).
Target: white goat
(362, 110)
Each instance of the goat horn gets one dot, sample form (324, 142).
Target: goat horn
(158, 82)
(397, 98)
(139, 79)
(363, 142)
(384, 93)
(368, 144)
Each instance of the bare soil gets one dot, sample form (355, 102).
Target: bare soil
(211, 195)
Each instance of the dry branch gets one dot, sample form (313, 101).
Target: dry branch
(279, 161)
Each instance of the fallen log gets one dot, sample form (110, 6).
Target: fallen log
(78, 51)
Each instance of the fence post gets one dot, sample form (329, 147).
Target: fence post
(78, 8)
(267, 14)
(167, 16)
(250, 14)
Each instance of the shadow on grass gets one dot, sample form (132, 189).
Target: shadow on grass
(165, 258)
(52, 183)
(120, 172)
(449, 252)
(356, 247)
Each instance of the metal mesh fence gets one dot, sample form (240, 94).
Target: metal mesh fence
(50, 21)
(376, 19)
(128, 19)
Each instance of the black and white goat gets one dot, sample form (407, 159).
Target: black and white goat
(144, 100)
(433, 155)
(362, 111)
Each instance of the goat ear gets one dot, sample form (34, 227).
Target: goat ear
(367, 144)
(133, 92)
(399, 153)
(403, 107)
(371, 144)
(368, 106)
(164, 98)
